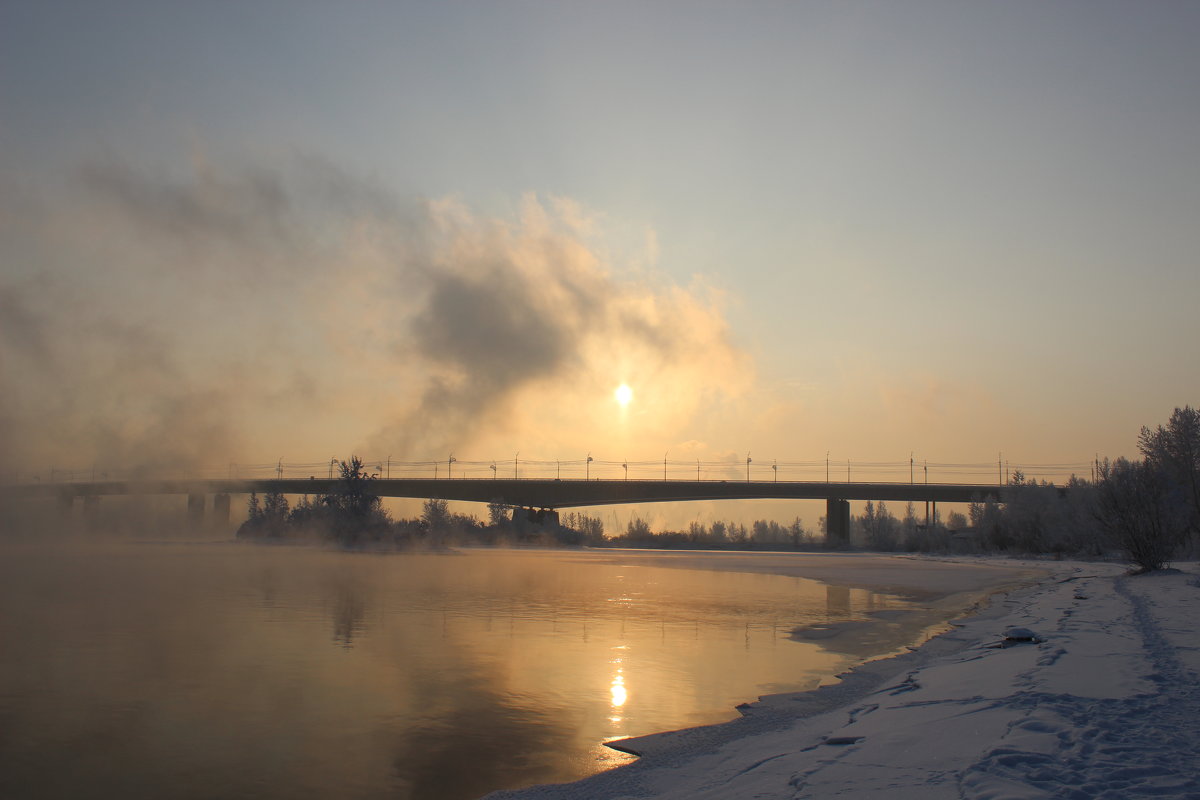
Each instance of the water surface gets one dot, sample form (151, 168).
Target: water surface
(235, 670)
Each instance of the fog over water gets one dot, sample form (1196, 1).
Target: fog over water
(202, 669)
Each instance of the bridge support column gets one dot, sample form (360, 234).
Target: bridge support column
(91, 510)
(195, 508)
(221, 509)
(837, 522)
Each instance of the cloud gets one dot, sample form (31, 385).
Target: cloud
(222, 312)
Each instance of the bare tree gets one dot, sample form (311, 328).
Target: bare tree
(1135, 506)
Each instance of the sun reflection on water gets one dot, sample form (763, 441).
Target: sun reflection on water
(619, 695)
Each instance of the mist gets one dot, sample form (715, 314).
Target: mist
(161, 319)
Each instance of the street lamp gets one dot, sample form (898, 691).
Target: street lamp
(625, 466)
(747, 467)
(775, 468)
(515, 464)
(389, 467)
(587, 468)
(493, 470)
(332, 461)
(665, 465)
(827, 466)
(448, 463)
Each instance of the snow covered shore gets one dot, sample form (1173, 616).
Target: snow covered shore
(1105, 705)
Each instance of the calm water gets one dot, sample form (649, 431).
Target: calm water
(227, 670)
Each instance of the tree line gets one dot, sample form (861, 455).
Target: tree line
(352, 516)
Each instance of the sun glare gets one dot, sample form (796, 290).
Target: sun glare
(623, 395)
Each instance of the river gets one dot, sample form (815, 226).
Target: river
(181, 670)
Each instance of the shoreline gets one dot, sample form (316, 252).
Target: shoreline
(773, 712)
(1102, 701)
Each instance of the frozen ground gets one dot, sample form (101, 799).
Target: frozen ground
(1105, 705)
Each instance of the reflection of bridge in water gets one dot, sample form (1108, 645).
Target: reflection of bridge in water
(547, 495)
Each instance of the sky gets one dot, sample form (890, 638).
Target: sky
(864, 231)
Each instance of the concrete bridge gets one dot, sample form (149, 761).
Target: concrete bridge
(544, 494)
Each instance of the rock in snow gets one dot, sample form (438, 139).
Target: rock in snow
(1105, 704)
(1021, 636)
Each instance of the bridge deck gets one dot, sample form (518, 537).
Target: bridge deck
(537, 493)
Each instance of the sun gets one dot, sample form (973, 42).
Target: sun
(623, 395)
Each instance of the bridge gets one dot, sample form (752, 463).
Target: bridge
(529, 493)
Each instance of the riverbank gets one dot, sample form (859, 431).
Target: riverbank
(1104, 703)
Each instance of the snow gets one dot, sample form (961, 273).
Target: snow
(1104, 703)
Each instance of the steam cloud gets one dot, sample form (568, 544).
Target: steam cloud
(171, 319)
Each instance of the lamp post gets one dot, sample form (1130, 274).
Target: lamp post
(748, 459)
(450, 461)
(279, 468)
(775, 469)
(389, 467)
(827, 466)
(587, 468)
(515, 472)
(625, 466)
(493, 470)
(665, 465)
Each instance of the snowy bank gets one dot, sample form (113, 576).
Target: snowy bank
(1104, 703)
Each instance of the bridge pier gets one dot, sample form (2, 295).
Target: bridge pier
(546, 517)
(837, 522)
(221, 509)
(195, 508)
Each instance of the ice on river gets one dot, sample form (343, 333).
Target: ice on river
(1102, 701)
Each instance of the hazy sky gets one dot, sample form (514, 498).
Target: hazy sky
(239, 231)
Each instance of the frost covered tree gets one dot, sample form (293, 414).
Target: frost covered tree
(436, 514)
(1134, 504)
(1174, 449)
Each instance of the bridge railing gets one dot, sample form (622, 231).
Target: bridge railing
(727, 469)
